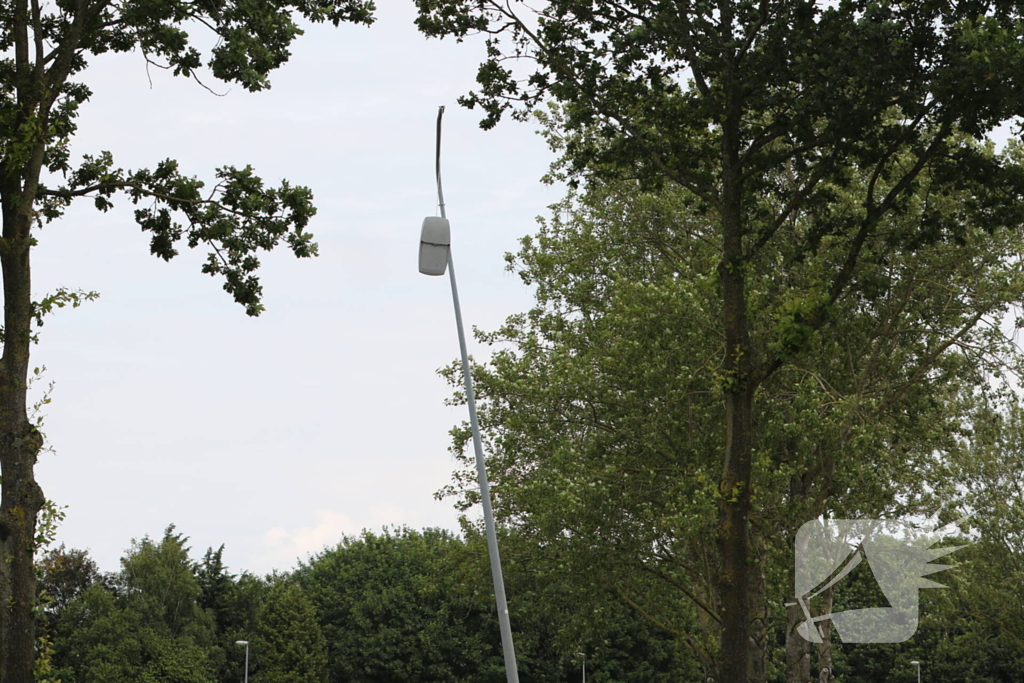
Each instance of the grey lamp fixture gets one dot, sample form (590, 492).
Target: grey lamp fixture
(918, 665)
(435, 255)
(435, 242)
(436, 233)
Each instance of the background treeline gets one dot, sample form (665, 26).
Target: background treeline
(400, 606)
(416, 607)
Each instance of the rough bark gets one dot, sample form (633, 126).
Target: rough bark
(813, 488)
(798, 649)
(21, 498)
(758, 670)
(20, 443)
(825, 646)
(734, 485)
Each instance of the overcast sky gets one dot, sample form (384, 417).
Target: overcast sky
(324, 416)
(275, 435)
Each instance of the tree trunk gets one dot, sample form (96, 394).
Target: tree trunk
(734, 486)
(798, 649)
(20, 442)
(758, 667)
(21, 499)
(825, 646)
(734, 583)
(814, 487)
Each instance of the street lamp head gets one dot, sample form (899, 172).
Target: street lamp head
(241, 642)
(435, 241)
(915, 662)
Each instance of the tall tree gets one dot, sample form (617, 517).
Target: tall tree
(64, 574)
(159, 582)
(233, 602)
(601, 415)
(215, 583)
(148, 627)
(38, 106)
(388, 614)
(290, 645)
(566, 610)
(236, 620)
(716, 97)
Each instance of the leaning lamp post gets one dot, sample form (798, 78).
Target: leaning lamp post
(435, 258)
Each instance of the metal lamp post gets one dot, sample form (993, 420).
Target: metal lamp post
(584, 656)
(246, 643)
(918, 664)
(435, 257)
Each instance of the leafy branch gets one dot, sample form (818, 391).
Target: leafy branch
(238, 218)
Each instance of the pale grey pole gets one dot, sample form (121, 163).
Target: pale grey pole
(508, 649)
(918, 664)
(246, 643)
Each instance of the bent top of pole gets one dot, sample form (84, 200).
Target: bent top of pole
(440, 194)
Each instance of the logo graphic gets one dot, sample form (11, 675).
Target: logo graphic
(898, 555)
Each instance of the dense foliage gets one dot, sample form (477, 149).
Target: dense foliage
(602, 405)
(807, 134)
(416, 607)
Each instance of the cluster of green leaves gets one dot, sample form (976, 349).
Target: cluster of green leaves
(240, 216)
(388, 615)
(419, 606)
(165, 618)
(151, 621)
(288, 636)
(143, 623)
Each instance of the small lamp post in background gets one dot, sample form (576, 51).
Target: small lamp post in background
(918, 665)
(246, 643)
(584, 656)
(435, 257)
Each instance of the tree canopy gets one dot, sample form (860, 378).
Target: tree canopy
(419, 603)
(46, 49)
(765, 114)
(603, 409)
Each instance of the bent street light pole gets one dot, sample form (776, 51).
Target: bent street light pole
(435, 257)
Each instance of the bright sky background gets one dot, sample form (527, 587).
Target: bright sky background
(275, 435)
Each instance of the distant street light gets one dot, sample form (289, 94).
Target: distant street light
(246, 643)
(435, 256)
(584, 656)
(918, 671)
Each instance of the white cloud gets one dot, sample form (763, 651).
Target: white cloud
(283, 547)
